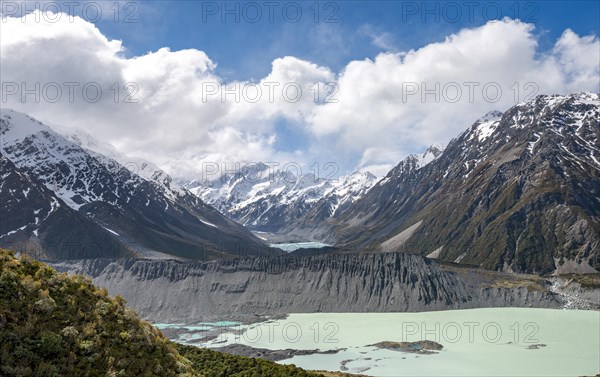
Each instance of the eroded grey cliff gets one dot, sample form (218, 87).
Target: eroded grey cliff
(169, 290)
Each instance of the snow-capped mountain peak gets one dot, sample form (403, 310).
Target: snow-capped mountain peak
(490, 116)
(35, 146)
(485, 126)
(17, 126)
(433, 152)
(265, 198)
(138, 166)
(504, 187)
(108, 206)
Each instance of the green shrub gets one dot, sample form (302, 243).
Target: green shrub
(58, 325)
(50, 344)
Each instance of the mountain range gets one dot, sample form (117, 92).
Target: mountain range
(267, 199)
(517, 191)
(62, 198)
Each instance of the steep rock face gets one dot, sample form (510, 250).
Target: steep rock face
(33, 219)
(165, 290)
(266, 199)
(517, 191)
(140, 209)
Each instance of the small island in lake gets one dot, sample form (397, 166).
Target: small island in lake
(423, 347)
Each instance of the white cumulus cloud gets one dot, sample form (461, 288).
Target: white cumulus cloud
(170, 106)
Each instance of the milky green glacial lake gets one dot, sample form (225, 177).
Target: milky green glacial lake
(289, 247)
(477, 342)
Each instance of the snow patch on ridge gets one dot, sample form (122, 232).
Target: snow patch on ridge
(485, 126)
(112, 231)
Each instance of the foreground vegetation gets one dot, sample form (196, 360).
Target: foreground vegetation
(216, 364)
(52, 324)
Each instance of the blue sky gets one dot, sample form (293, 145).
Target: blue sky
(327, 33)
(370, 50)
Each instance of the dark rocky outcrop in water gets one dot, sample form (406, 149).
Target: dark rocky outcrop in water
(421, 347)
(272, 355)
(168, 290)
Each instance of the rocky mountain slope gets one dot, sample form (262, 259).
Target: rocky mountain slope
(61, 199)
(166, 291)
(316, 224)
(266, 199)
(518, 191)
(35, 219)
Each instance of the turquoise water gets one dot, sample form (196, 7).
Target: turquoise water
(199, 327)
(477, 342)
(162, 326)
(195, 333)
(193, 338)
(221, 324)
(289, 247)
